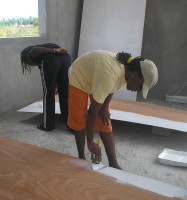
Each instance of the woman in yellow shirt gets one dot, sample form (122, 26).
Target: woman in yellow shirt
(98, 75)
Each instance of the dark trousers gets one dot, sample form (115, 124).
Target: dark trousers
(54, 73)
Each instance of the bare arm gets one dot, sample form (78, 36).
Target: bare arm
(36, 51)
(107, 100)
(103, 112)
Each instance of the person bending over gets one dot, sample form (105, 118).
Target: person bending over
(98, 75)
(53, 62)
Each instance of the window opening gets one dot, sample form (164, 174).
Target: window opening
(19, 18)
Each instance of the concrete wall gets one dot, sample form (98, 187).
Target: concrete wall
(63, 20)
(165, 42)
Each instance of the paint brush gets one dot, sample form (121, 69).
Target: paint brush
(98, 165)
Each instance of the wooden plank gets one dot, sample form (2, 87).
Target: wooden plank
(29, 172)
(152, 110)
(147, 109)
(136, 112)
(149, 114)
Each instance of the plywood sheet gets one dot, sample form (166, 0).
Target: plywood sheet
(136, 112)
(29, 172)
(149, 110)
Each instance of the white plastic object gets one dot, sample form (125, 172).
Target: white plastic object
(173, 158)
(98, 166)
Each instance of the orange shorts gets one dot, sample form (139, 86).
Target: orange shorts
(77, 111)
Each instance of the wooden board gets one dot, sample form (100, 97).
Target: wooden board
(149, 114)
(136, 112)
(32, 173)
(150, 110)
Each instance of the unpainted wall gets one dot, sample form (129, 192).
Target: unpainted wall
(64, 22)
(165, 42)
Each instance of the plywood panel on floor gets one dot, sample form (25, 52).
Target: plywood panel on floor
(149, 114)
(33, 173)
(136, 112)
(149, 110)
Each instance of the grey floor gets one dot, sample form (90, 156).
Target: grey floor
(136, 147)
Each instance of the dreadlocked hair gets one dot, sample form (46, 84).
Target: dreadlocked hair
(25, 60)
(133, 65)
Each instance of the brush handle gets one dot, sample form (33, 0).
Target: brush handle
(99, 140)
(92, 156)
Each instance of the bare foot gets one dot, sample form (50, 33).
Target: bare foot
(115, 166)
(82, 157)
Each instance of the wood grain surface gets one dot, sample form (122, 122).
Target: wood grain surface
(31, 173)
(149, 110)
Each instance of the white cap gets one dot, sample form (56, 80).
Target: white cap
(150, 75)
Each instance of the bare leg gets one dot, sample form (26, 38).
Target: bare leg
(108, 141)
(80, 141)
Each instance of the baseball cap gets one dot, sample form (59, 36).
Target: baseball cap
(150, 75)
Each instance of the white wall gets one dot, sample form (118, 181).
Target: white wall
(114, 26)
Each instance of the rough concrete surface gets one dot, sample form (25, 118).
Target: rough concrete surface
(136, 147)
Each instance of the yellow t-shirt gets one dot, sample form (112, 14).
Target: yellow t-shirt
(97, 73)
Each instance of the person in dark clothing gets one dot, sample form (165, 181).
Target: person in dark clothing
(53, 62)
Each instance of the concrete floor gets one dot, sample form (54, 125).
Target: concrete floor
(136, 147)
